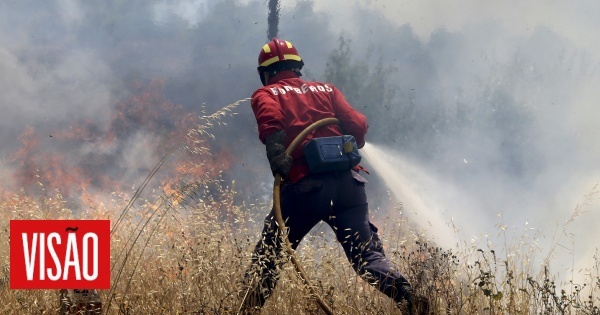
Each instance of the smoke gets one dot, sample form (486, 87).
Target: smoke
(497, 102)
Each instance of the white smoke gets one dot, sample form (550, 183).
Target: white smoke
(526, 166)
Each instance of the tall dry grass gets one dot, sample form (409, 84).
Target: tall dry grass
(184, 251)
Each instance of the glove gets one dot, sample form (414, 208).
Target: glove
(280, 161)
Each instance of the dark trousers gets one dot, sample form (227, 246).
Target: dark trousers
(338, 199)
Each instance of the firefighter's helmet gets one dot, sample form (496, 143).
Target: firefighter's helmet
(278, 55)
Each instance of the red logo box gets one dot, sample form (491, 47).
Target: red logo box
(60, 254)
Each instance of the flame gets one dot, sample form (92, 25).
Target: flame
(84, 160)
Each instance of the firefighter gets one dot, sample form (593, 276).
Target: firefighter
(284, 107)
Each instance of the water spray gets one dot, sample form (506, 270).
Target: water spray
(407, 183)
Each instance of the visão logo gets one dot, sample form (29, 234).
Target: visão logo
(59, 254)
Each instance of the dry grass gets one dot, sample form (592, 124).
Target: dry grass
(185, 251)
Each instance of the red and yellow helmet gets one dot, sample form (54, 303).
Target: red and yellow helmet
(278, 55)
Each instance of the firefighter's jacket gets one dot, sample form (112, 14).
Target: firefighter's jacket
(292, 104)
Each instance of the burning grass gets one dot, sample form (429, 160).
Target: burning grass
(183, 250)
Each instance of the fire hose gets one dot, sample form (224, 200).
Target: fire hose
(279, 217)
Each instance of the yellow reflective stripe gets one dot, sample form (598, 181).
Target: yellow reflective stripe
(292, 57)
(273, 60)
(266, 48)
(269, 61)
(289, 45)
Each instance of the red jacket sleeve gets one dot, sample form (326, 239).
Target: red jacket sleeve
(352, 121)
(268, 113)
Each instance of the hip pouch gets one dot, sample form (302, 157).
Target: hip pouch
(330, 154)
